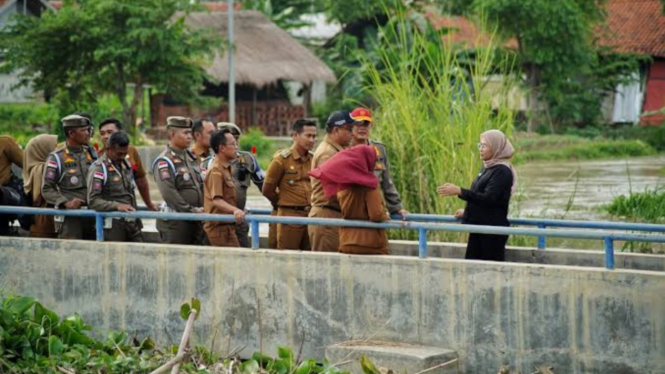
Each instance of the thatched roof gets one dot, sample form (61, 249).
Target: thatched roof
(264, 53)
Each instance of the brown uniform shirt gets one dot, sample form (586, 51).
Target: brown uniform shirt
(323, 152)
(362, 203)
(200, 153)
(134, 160)
(287, 183)
(10, 153)
(218, 184)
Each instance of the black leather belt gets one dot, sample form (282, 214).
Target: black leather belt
(296, 208)
(336, 209)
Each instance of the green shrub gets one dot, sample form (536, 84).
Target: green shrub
(34, 339)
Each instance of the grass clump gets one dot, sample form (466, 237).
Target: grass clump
(647, 206)
(430, 111)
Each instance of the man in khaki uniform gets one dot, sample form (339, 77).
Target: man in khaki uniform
(65, 185)
(220, 191)
(10, 153)
(287, 185)
(180, 182)
(246, 169)
(107, 128)
(361, 135)
(202, 131)
(339, 128)
(111, 188)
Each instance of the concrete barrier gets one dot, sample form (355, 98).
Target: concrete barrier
(576, 319)
(527, 255)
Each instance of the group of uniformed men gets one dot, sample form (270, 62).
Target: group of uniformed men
(211, 177)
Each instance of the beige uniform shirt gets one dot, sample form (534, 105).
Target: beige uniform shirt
(323, 152)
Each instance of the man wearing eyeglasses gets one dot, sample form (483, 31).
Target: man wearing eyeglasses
(339, 129)
(220, 195)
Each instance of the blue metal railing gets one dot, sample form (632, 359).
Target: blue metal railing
(436, 223)
(540, 223)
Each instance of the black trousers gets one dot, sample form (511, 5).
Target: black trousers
(486, 247)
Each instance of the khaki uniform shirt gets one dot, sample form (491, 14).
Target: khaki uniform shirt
(287, 183)
(218, 184)
(65, 175)
(382, 172)
(10, 153)
(110, 185)
(134, 160)
(323, 152)
(364, 204)
(179, 179)
(245, 170)
(200, 153)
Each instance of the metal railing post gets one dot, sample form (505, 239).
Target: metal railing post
(254, 225)
(609, 253)
(541, 238)
(422, 243)
(99, 226)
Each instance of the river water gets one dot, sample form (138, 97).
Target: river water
(577, 190)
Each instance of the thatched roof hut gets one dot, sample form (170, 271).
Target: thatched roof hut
(264, 53)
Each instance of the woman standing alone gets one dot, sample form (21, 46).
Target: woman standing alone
(488, 198)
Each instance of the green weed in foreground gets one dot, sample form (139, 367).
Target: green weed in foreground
(647, 206)
(35, 340)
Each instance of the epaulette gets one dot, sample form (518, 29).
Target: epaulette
(286, 153)
(311, 153)
(376, 142)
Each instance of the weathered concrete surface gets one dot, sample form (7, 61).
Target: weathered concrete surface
(553, 256)
(527, 255)
(398, 357)
(578, 320)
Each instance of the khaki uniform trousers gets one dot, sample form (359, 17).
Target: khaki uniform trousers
(292, 236)
(272, 232)
(124, 231)
(223, 236)
(77, 228)
(181, 232)
(324, 238)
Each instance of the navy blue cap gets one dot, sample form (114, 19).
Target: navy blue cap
(340, 118)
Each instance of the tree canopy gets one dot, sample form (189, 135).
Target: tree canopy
(95, 47)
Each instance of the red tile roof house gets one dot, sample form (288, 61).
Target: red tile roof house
(638, 27)
(632, 26)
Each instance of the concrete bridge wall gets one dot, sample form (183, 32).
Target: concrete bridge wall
(576, 319)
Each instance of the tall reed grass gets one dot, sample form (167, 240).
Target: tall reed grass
(431, 107)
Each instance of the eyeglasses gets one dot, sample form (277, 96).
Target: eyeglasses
(483, 145)
(234, 144)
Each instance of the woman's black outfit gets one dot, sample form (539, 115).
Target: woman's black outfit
(487, 204)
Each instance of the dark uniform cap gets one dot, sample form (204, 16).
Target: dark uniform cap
(74, 120)
(235, 130)
(340, 118)
(179, 122)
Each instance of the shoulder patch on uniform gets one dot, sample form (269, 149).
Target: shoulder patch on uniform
(51, 163)
(162, 165)
(286, 153)
(99, 175)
